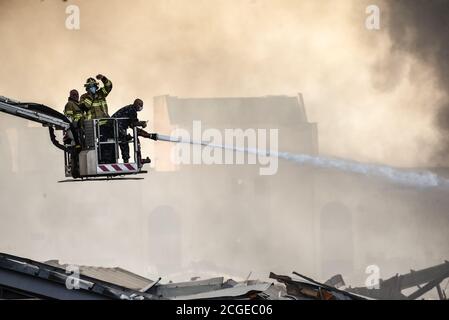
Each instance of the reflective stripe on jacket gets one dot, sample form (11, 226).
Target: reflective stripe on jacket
(73, 111)
(96, 104)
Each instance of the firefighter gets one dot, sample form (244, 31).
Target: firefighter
(75, 113)
(129, 112)
(94, 100)
(72, 109)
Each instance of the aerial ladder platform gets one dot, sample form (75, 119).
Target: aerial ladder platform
(97, 152)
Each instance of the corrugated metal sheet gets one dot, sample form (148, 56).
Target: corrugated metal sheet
(234, 292)
(187, 288)
(116, 276)
(50, 280)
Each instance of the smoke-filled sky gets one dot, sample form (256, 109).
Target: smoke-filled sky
(420, 28)
(377, 96)
(374, 94)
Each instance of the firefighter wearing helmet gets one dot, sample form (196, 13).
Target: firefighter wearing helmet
(94, 100)
(128, 119)
(72, 109)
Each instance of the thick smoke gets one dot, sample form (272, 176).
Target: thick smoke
(223, 48)
(204, 48)
(421, 28)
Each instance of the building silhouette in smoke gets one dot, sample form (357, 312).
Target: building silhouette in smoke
(239, 207)
(222, 218)
(318, 220)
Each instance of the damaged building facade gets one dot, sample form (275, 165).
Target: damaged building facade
(238, 211)
(201, 220)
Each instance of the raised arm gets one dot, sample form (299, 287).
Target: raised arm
(107, 85)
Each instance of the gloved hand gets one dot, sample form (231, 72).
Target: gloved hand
(142, 124)
(99, 76)
(143, 133)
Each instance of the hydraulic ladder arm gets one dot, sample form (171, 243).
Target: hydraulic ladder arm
(39, 113)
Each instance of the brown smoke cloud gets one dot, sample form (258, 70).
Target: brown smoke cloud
(374, 95)
(236, 48)
(419, 29)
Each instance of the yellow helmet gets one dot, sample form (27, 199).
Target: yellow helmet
(91, 82)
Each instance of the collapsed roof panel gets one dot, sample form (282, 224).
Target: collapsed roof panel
(22, 278)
